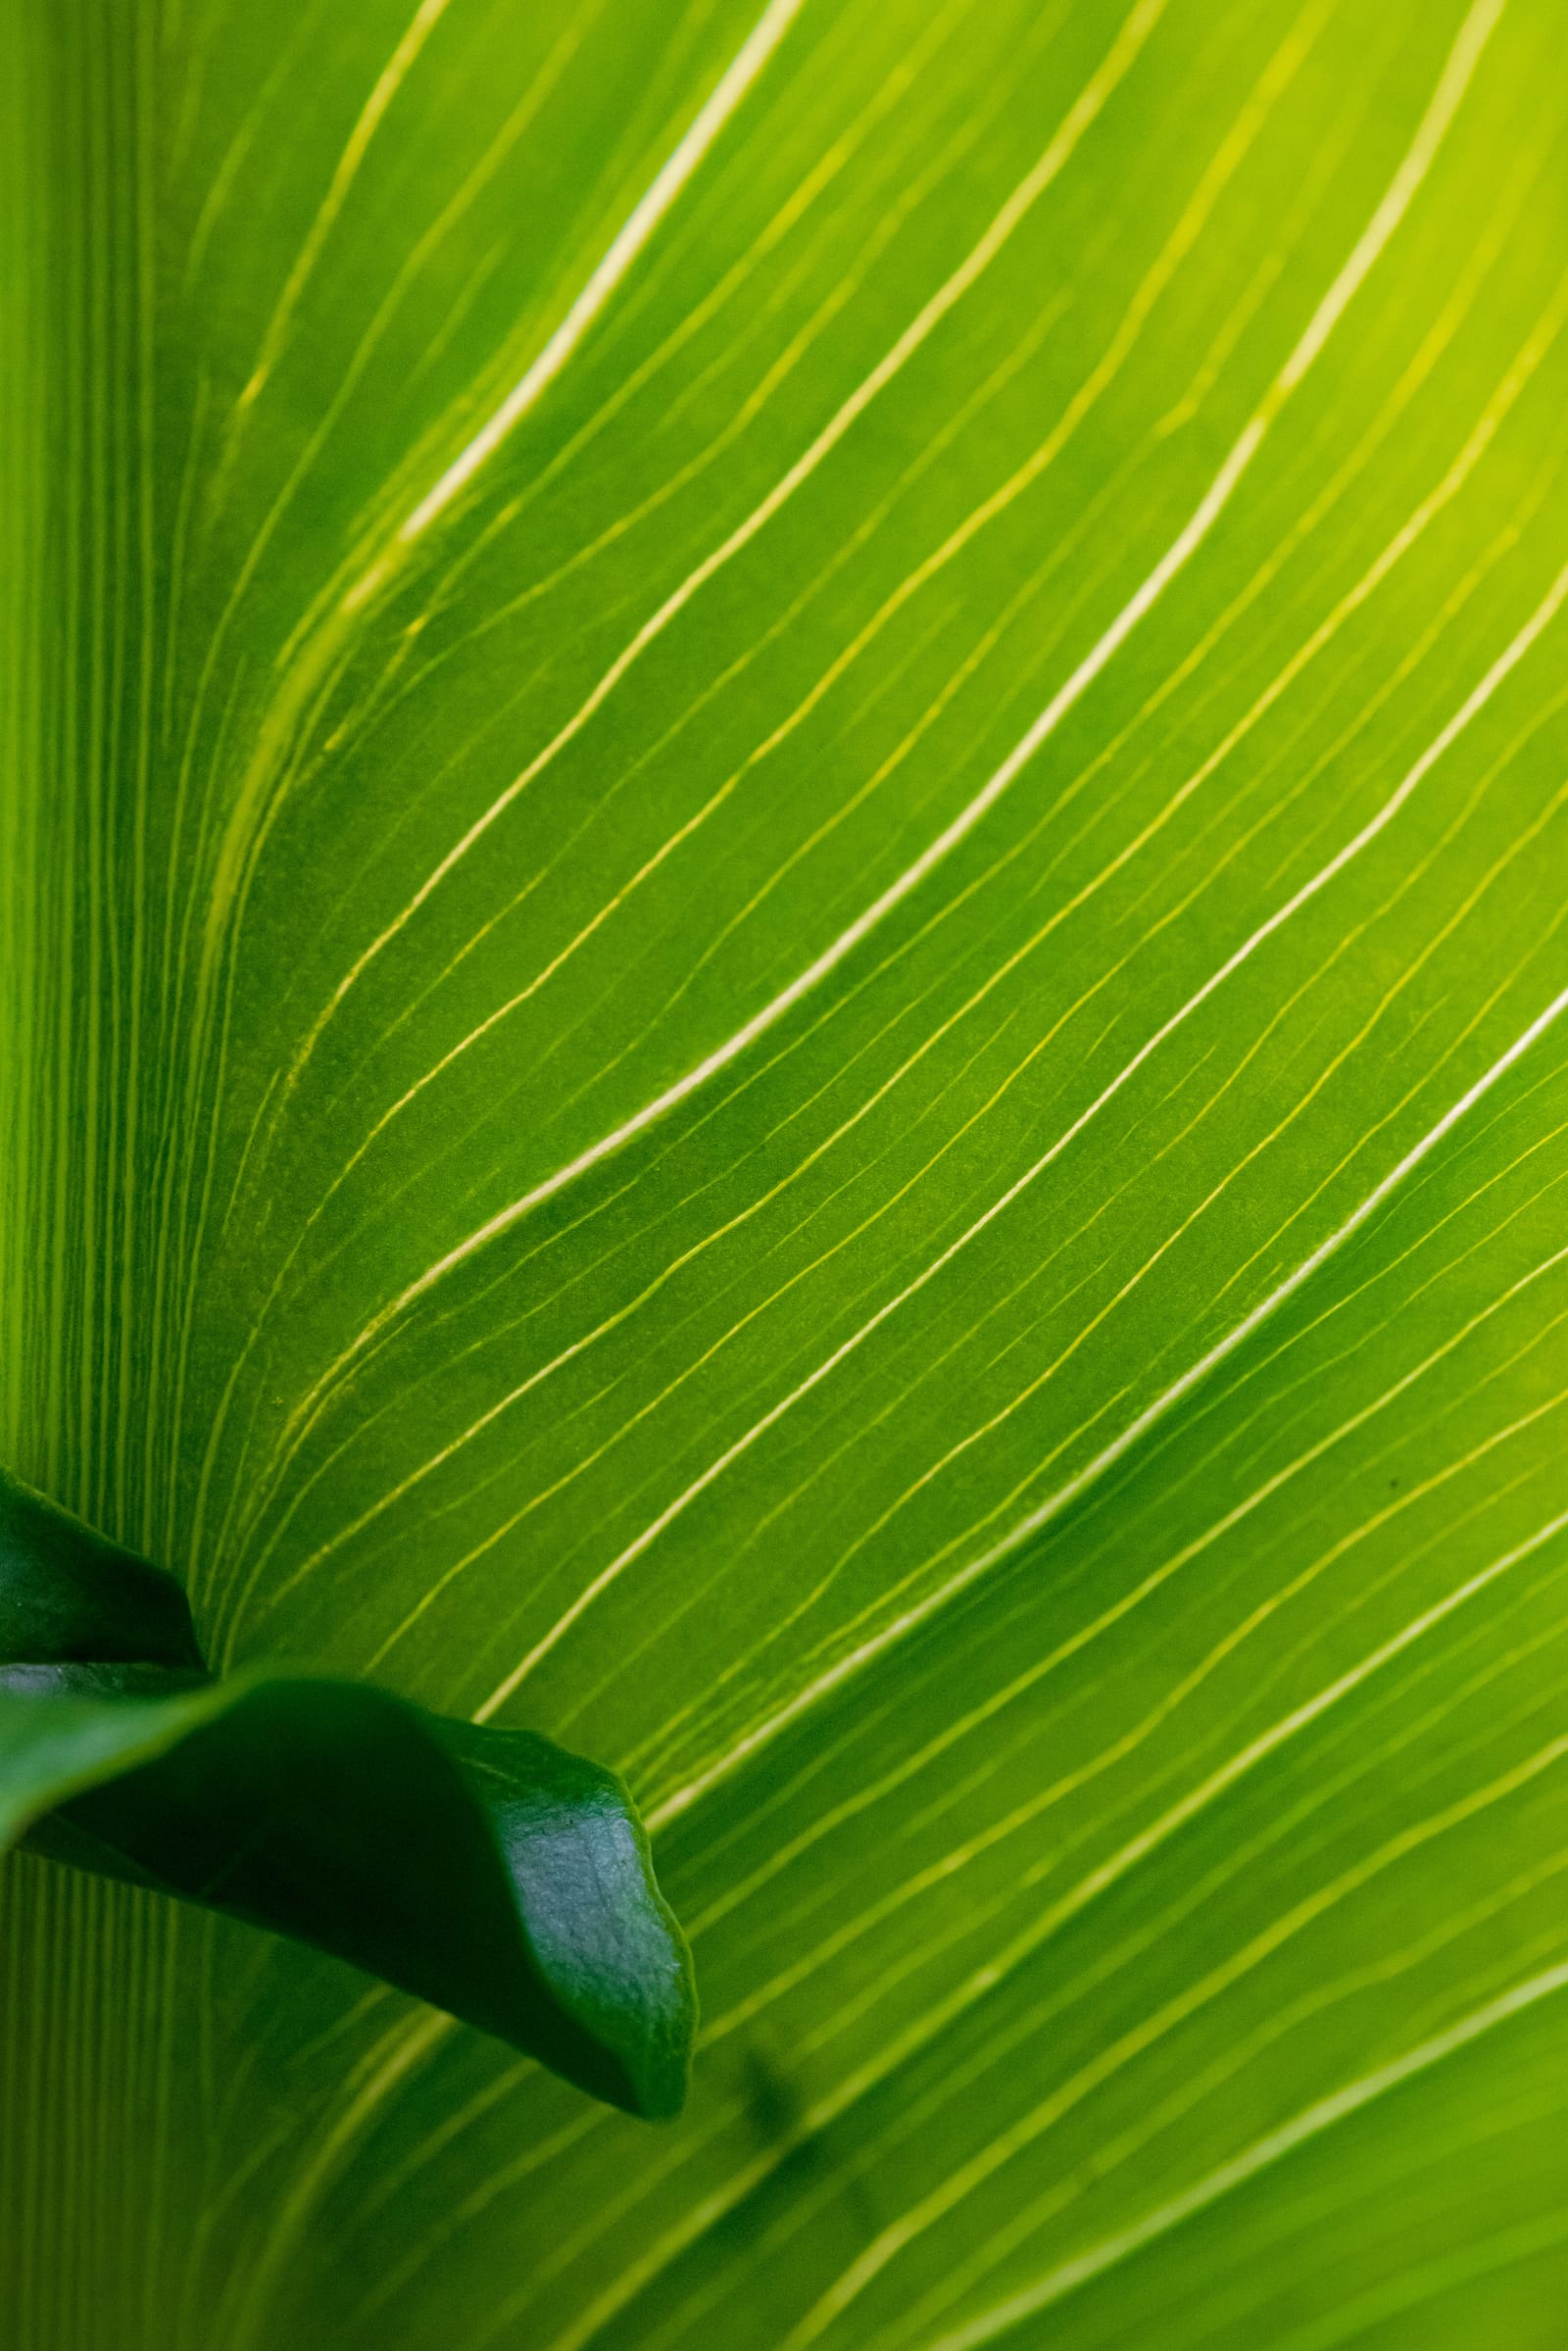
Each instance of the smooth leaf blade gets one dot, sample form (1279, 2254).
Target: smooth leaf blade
(489, 1871)
(493, 1875)
(797, 1003)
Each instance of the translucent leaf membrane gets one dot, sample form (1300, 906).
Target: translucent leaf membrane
(790, 828)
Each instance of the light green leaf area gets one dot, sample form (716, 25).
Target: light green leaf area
(786, 809)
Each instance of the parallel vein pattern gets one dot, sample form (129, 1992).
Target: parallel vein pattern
(788, 995)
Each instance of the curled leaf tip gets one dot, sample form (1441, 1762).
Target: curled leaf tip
(488, 1871)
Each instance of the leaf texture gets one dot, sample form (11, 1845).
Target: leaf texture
(787, 990)
(485, 1870)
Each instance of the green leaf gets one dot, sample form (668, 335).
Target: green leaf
(783, 987)
(488, 1870)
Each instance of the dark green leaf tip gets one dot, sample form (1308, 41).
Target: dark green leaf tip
(488, 1870)
(68, 1596)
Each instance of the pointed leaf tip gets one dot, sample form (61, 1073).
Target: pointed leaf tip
(488, 1870)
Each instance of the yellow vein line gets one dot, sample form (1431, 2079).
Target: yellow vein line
(1125, 50)
(240, 842)
(1135, 1429)
(1265, 1143)
(1129, 1856)
(1234, 2060)
(952, 1733)
(952, 2190)
(1480, 438)
(364, 129)
(623, 250)
(1395, 202)
(999, 1831)
(402, 2051)
(1473, 704)
(1240, 138)
(1308, 2125)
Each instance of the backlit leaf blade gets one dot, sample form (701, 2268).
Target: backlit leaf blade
(792, 886)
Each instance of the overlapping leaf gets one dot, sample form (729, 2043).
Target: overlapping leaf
(791, 832)
(485, 1870)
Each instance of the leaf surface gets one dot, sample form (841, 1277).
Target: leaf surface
(488, 1870)
(788, 982)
